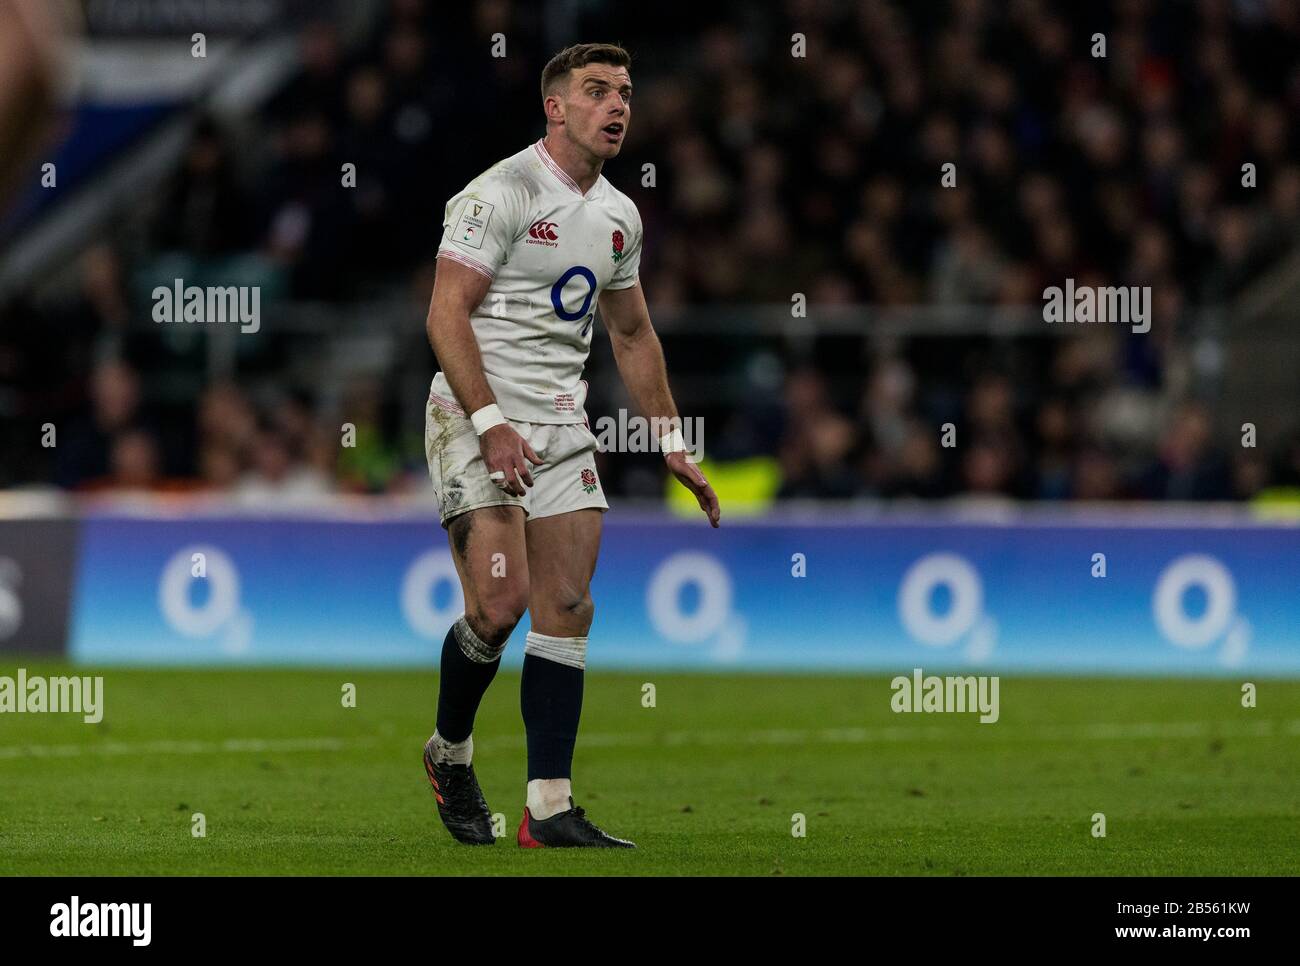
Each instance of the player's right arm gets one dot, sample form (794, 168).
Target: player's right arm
(464, 276)
(457, 292)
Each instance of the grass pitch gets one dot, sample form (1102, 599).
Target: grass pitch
(707, 782)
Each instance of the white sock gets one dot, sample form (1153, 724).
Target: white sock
(452, 752)
(549, 796)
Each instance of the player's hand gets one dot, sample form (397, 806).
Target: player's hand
(690, 477)
(506, 451)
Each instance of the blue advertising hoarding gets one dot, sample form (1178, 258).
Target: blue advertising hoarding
(1031, 594)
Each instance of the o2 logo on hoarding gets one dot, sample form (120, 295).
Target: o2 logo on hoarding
(964, 616)
(422, 578)
(11, 604)
(712, 619)
(1218, 620)
(210, 567)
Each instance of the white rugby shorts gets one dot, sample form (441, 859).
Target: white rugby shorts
(566, 480)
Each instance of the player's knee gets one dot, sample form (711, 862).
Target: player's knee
(499, 611)
(575, 611)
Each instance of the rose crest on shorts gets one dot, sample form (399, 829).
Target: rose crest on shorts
(589, 481)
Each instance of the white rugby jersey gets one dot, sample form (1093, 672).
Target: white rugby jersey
(549, 251)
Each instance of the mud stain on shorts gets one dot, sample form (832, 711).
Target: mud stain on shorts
(454, 495)
(445, 423)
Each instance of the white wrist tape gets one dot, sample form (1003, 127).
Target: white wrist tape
(672, 442)
(486, 418)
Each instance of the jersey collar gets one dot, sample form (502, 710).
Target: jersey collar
(559, 172)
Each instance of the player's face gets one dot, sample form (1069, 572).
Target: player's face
(598, 107)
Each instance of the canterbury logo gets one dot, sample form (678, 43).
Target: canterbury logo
(544, 231)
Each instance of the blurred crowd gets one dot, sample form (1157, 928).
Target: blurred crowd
(270, 449)
(995, 446)
(773, 174)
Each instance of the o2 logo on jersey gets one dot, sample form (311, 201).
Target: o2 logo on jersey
(557, 296)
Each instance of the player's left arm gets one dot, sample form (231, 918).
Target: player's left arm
(640, 360)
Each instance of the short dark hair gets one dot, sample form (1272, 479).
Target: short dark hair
(580, 55)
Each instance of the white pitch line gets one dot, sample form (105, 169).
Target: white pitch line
(850, 736)
(182, 747)
(900, 733)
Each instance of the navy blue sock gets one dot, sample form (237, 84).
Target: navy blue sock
(550, 697)
(462, 682)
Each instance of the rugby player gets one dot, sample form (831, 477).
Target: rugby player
(529, 250)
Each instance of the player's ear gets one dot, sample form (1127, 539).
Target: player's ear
(553, 106)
